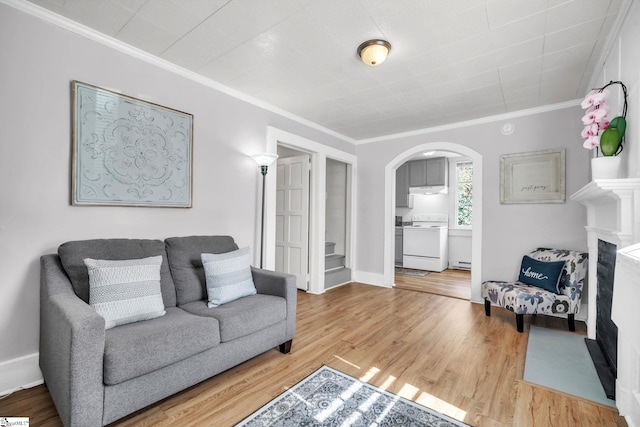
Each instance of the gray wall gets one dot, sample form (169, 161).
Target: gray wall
(336, 205)
(38, 61)
(508, 231)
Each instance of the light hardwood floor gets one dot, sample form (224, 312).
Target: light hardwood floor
(441, 352)
(449, 283)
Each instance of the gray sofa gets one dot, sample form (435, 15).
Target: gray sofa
(96, 376)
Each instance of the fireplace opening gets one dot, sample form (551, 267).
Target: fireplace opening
(604, 348)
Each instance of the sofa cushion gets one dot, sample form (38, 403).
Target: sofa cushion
(183, 254)
(72, 255)
(125, 291)
(228, 276)
(139, 348)
(243, 316)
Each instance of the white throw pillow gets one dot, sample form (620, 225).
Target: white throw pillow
(125, 291)
(228, 276)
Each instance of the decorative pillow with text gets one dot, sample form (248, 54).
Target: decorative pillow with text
(542, 274)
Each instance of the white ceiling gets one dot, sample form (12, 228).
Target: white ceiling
(451, 60)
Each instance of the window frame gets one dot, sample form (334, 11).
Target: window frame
(457, 194)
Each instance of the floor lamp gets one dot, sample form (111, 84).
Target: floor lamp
(264, 160)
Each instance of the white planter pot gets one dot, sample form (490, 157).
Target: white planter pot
(605, 167)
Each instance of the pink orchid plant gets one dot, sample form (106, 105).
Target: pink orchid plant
(595, 119)
(598, 131)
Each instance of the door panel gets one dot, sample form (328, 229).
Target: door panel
(292, 218)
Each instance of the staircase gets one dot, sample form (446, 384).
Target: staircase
(335, 272)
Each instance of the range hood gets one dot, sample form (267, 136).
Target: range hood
(434, 189)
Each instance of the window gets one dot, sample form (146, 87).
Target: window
(464, 194)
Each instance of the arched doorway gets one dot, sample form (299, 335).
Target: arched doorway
(390, 188)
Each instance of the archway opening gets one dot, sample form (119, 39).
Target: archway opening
(476, 230)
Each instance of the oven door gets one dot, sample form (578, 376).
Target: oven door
(421, 242)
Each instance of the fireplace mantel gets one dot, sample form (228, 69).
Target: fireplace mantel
(613, 215)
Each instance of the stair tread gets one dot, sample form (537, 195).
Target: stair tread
(333, 256)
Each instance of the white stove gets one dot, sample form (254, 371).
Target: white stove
(425, 243)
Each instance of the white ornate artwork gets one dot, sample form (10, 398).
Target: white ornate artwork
(129, 152)
(535, 177)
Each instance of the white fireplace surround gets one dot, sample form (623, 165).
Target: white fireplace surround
(613, 215)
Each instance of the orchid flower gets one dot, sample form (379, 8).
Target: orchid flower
(590, 130)
(592, 142)
(595, 98)
(596, 114)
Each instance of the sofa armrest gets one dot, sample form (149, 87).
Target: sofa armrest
(281, 285)
(72, 339)
(274, 283)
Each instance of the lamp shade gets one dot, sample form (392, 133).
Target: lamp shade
(374, 52)
(264, 159)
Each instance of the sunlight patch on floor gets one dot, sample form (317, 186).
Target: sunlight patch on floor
(430, 401)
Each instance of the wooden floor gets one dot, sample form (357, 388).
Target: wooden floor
(441, 352)
(449, 283)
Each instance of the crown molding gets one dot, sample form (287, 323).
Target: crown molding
(474, 122)
(89, 33)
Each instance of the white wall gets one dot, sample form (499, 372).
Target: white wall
(623, 64)
(508, 231)
(38, 61)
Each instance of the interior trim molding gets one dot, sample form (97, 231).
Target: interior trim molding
(20, 373)
(474, 122)
(368, 278)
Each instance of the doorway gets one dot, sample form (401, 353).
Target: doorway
(447, 203)
(289, 144)
(337, 268)
(292, 216)
(476, 230)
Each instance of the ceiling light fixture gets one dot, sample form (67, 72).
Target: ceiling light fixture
(374, 52)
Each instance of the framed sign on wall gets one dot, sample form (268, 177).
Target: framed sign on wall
(534, 177)
(129, 152)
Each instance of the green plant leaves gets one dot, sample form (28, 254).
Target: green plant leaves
(611, 138)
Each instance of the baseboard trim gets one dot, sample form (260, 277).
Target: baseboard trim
(20, 373)
(367, 278)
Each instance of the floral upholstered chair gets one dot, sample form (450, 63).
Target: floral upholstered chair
(550, 282)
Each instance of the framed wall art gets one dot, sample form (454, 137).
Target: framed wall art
(534, 177)
(129, 152)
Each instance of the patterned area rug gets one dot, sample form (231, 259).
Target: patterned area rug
(410, 272)
(331, 398)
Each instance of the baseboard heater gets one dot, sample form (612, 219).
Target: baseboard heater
(461, 265)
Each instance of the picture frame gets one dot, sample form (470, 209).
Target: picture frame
(129, 152)
(533, 177)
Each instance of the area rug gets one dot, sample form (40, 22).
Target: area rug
(560, 360)
(331, 398)
(408, 272)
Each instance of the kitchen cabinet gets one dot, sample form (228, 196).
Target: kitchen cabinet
(437, 171)
(428, 172)
(399, 243)
(402, 186)
(417, 173)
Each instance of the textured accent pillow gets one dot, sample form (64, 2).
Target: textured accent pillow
(542, 274)
(228, 276)
(125, 291)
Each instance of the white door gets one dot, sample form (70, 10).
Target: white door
(292, 218)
